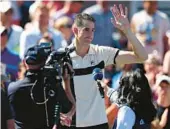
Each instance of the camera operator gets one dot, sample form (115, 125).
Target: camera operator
(33, 103)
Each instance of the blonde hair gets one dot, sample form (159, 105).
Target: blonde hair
(62, 22)
(153, 58)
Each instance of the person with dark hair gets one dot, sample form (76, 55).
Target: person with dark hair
(134, 99)
(34, 99)
(90, 106)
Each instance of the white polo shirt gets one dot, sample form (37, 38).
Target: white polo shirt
(90, 106)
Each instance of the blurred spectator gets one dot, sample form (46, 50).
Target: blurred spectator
(152, 68)
(64, 24)
(24, 11)
(57, 5)
(103, 28)
(163, 101)
(54, 6)
(9, 59)
(150, 26)
(120, 40)
(7, 121)
(41, 25)
(166, 62)
(70, 9)
(4, 78)
(32, 9)
(46, 38)
(16, 12)
(13, 31)
(21, 71)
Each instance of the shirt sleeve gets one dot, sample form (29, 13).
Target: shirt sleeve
(126, 118)
(108, 54)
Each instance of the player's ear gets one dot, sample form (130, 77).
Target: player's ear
(75, 29)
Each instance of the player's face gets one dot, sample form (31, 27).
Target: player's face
(86, 32)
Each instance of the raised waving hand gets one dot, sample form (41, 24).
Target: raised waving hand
(120, 19)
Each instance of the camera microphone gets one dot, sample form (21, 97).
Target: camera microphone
(98, 76)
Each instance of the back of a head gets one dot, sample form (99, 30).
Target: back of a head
(135, 92)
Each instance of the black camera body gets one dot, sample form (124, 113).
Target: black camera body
(54, 61)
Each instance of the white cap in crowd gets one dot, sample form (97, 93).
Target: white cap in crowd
(162, 78)
(5, 6)
(2, 29)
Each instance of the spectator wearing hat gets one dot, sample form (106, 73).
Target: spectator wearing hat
(163, 101)
(40, 26)
(8, 58)
(33, 106)
(13, 31)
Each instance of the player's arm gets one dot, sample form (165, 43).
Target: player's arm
(121, 22)
(67, 89)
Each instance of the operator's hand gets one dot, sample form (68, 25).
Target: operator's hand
(65, 119)
(120, 19)
(68, 68)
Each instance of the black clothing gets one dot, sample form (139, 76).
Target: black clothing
(141, 124)
(5, 110)
(160, 112)
(28, 114)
